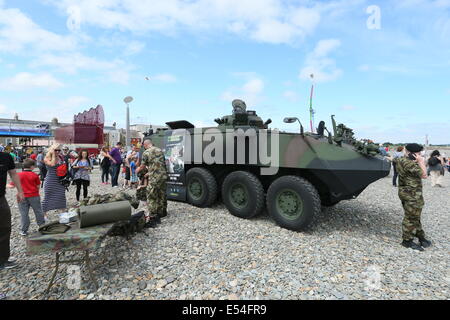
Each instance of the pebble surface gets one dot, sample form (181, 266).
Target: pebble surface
(352, 251)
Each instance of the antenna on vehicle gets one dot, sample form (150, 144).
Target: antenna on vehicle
(311, 110)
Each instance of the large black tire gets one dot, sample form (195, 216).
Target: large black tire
(201, 187)
(243, 194)
(293, 202)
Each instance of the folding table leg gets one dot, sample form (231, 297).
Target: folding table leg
(89, 267)
(54, 274)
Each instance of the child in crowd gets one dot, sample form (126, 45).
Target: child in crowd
(30, 184)
(134, 178)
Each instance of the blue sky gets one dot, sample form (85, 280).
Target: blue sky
(386, 75)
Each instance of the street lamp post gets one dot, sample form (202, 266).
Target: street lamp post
(128, 100)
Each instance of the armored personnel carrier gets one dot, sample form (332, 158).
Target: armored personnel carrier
(251, 167)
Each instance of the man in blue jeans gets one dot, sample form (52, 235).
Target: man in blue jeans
(116, 157)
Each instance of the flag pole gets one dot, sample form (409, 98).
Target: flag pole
(311, 110)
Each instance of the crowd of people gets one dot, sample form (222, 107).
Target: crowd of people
(436, 165)
(111, 162)
(58, 165)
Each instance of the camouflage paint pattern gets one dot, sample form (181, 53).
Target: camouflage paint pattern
(157, 198)
(75, 239)
(141, 193)
(109, 197)
(338, 165)
(153, 158)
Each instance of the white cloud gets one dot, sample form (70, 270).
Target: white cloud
(237, 27)
(305, 18)
(364, 68)
(250, 91)
(25, 80)
(19, 33)
(253, 86)
(65, 109)
(119, 76)
(48, 107)
(274, 31)
(393, 69)
(291, 95)
(442, 4)
(71, 63)
(134, 47)
(385, 68)
(116, 70)
(318, 63)
(74, 102)
(163, 77)
(324, 47)
(3, 108)
(271, 21)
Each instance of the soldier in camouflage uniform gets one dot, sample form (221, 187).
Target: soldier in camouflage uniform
(153, 158)
(411, 169)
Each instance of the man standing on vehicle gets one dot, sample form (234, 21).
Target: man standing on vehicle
(153, 158)
(411, 170)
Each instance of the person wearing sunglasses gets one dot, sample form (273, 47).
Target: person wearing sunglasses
(54, 191)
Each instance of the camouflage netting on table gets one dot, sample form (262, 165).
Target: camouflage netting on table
(109, 197)
(75, 239)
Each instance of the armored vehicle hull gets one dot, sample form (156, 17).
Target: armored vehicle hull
(251, 168)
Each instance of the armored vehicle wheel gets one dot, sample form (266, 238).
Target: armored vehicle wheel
(201, 187)
(243, 194)
(293, 202)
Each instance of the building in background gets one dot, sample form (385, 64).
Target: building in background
(142, 128)
(28, 132)
(86, 132)
(138, 131)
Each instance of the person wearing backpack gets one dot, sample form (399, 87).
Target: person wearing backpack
(54, 191)
(435, 165)
(83, 167)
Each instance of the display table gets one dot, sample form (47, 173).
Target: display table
(73, 240)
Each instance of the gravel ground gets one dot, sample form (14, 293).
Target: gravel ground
(351, 252)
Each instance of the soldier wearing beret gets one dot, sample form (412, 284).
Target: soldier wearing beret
(411, 170)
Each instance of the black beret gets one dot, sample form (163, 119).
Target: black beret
(414, 147)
